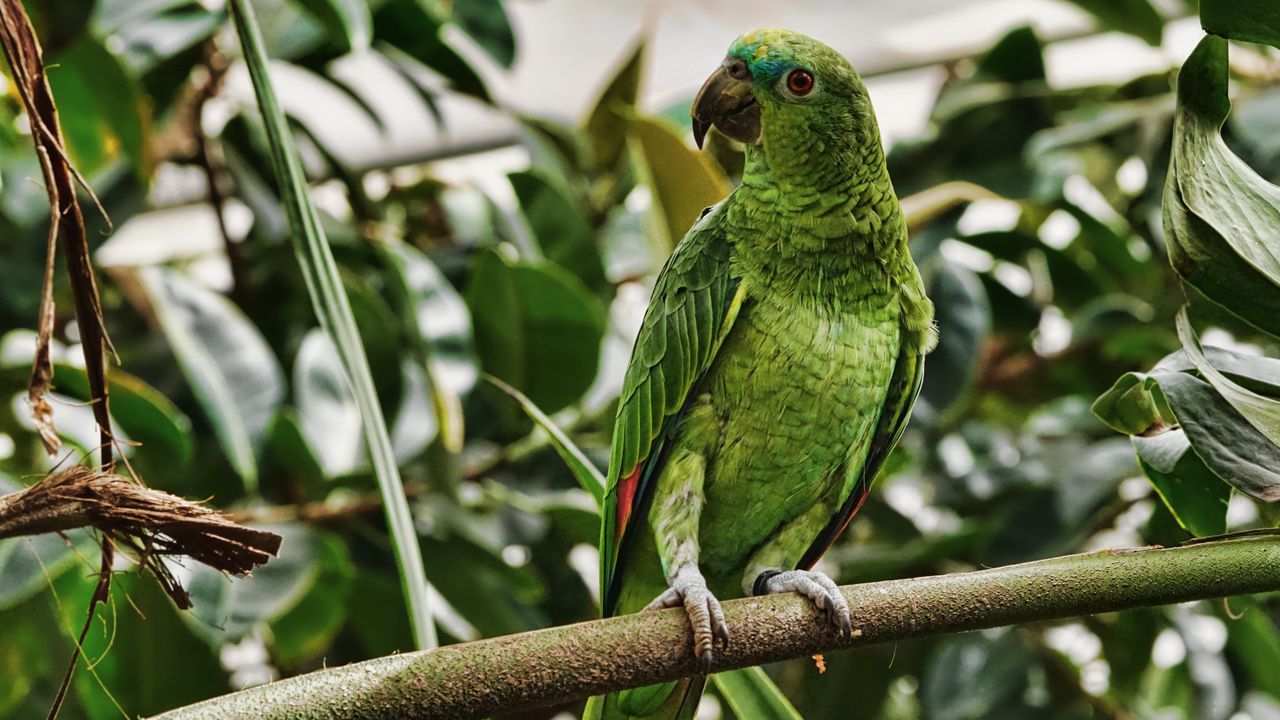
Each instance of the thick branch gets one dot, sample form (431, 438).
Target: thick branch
(561, 664)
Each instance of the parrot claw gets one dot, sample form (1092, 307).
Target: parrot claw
(706, 617)
(818, 588)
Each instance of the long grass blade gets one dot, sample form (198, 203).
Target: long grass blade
(334, 312)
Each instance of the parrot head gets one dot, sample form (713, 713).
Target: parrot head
(777, 82)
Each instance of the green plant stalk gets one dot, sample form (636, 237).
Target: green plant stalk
(332, 308)
(559, 665)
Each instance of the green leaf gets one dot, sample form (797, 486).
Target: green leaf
(311, 562)
(964, 322)
(1263, 413)
(104, 114)
(1219, 215)
(606, 125)
(1194, 495)
(143, 413)
(1136, 17)
(587, 474)
(537, 328)
(970, 676)
(327, 411)
(752, 694)
(305, 631)
(487, 23)
(1254, 641)
(324, 285)
(439, 323)
(684, 181)
(414, 27)
(1133, 405)
(329, 414)
(1248, 20)
(1231, 447)
(560, 226)
(143, 641)
(347, 21)
(492, 596)
(227, 363)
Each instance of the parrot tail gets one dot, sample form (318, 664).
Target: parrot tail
(675, 700)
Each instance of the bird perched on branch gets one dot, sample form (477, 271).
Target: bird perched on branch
(777, 364)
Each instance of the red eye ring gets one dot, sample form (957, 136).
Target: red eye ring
(800, 82)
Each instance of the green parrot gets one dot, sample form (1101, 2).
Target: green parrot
(777, 363)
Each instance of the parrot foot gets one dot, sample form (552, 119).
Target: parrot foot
(814, 585)
(689, 590)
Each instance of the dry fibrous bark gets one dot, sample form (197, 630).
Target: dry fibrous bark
(152, 523)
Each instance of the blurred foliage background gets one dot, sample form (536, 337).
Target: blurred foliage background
(1050, 269)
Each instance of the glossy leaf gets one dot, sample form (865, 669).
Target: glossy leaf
(136, 648)
(142, 412)
(970, 676)
(964, 323)
(750, 693)
(1196, 497)
(347, 21)
(606, 124)
(684, 181)
(1248, 20)
(487, 23)
(88, 75)
(1136, 17)
(537, 328)
(1263, 413)
(414, 27)
(560, 227)
(227, 363)
(1219, 215)
(439, 322)
(1231, 447)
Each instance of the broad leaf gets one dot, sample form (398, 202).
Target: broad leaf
(606, 125)
(1136, 17)
(1219, 215)
(684, 181)
(487, 23)
(1263, 413)
(1248, 20)
(560, 227)
(537, 328)
(227, 363)
(87, 75)
(1196, 497)
(347, 21)
(1231, 447)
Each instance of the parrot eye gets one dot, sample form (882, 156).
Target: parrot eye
(800, 82)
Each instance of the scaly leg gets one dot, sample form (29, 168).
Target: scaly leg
(816, 586)
(674, 517)
(768, 573)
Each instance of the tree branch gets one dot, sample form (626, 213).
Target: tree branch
(561, 664)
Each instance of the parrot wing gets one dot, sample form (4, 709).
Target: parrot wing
(908, 374)
(695, 301)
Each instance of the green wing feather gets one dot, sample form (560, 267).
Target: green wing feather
(694, 303)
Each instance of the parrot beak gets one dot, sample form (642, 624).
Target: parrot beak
(726, 102)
